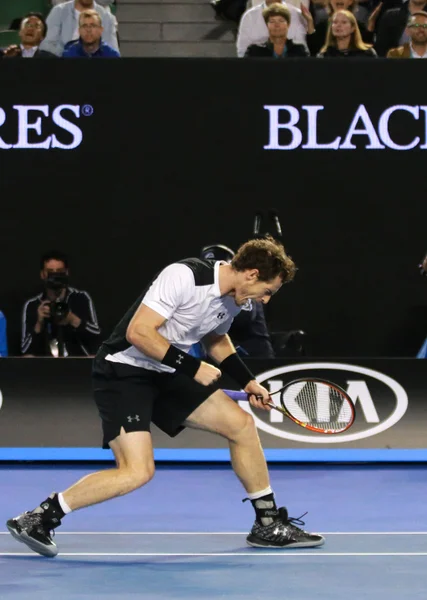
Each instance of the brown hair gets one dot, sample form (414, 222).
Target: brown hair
(268, 256)
(277, 10)
(89, 13)
(356, 41)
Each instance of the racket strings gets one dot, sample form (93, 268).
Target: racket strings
(319, 405)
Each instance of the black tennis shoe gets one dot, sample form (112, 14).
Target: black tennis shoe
(30, 529)
(283, 533)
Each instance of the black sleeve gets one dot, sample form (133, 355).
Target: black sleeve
(301, 51)
(387, 32)
(31, 342)
(251, 51)
(367, 36)
(316, 40)
(88, 331)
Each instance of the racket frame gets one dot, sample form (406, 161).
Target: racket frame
(283, 410)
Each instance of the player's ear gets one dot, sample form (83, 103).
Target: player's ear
(252, 274)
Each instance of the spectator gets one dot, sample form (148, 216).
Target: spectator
(392, 29)
(253, 28)
(278, 19)
(32, 31)
(63, 23)
(318, 39)
(61, 320)
(105, 3)
(344, 40)
(417, 32)
(249, 331)
(3, 336)
(90, 44)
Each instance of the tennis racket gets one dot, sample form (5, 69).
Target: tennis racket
(316, 404)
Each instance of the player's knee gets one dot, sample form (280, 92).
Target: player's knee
(136, 476)
(244, 427)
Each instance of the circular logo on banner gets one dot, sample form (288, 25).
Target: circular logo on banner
(380, 401)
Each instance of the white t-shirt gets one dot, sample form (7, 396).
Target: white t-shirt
(188, 296)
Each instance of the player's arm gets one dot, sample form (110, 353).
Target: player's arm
(221, 349)
(171, 289)
(143, 333)
(218, 346)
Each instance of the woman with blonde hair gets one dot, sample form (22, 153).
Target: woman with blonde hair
(344, 39)
(316, 40)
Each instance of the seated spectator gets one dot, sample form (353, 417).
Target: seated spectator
(90, 44)
(278, 19)
(253, 28)
(3, 336)
(32, 31)
(61, 320)
(392, 29)
(248, 332)
(344, 40)
(63, 24)
(318, 39)
(417, 32)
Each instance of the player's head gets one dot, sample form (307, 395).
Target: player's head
(262, 267)
(217, 252)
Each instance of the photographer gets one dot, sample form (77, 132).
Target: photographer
(61, 321)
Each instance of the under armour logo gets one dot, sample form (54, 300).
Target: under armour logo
(135, 418)
(179, 359)
(221, 315)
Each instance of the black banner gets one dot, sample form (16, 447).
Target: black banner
(47, 404)
(129, 165)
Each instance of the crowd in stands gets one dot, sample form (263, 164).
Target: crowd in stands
(266, 28)
(59, 28)
(334, 29)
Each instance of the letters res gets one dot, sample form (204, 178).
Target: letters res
(35, 119)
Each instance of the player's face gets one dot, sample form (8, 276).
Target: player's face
(252, 288)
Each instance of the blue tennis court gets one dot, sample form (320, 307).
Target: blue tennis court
(183, 536)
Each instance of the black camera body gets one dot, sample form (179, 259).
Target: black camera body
(56, 282)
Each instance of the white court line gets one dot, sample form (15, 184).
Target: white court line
(223, 533)
(248, 554)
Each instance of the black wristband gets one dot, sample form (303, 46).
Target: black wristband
(234, 366)
(181, 361)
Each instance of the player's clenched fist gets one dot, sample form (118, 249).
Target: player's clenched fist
(207, 374)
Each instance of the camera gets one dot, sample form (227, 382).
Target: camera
(56, 282)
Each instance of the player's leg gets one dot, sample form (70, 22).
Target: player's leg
(125, 408)
(273, 528)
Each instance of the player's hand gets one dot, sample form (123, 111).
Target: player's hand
(258, 395)
(207, 374)
(43, 311)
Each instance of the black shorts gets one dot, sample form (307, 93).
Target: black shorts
(133, 398)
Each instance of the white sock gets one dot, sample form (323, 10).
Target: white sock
(63, 504)
(260, 494)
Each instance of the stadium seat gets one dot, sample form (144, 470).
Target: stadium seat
(7, 38)
(11, 11)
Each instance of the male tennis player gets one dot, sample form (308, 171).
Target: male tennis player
(143, 373)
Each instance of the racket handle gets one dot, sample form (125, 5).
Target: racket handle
(234, 395)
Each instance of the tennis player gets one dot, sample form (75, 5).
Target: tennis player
(143, 374)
